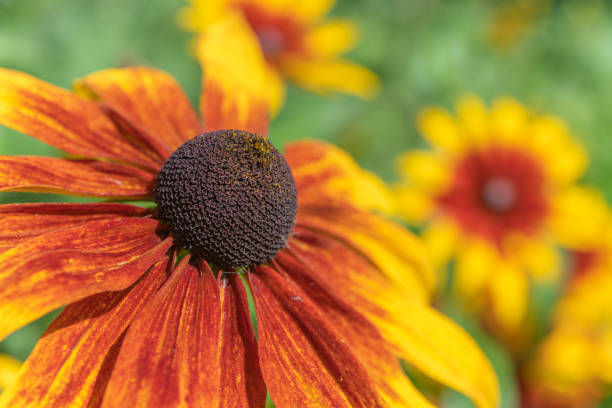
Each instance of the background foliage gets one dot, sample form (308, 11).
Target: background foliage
(426, 52)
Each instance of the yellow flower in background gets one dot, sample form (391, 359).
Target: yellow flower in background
(572, 366)
(9, 367)
(497, 195)
(514, 19)
(296, 43)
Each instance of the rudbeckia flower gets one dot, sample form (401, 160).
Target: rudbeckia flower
(497, 195)
(157, 308)
(296, 44)
(571, 366)
(9, 367)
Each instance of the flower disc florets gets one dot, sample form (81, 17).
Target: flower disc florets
(228, 196)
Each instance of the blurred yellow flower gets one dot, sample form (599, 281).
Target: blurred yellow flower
(296, 43)
(573, 365)
(497, 194)
(9, 367)
(513, 19)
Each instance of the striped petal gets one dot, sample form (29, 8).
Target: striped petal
(150, 99)
(21, 222)
(234, 94)
(354, 279)
(326, 175)
(64, 266)
(192, 345)
(63, 369)
(418, 334)
(242, 384)
(170, 346)
(304, 360)
(63, 120)
(395, 251)
(76, 177)
(160, 359)
(362, 336)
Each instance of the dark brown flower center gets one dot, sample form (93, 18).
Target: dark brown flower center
(229, 197)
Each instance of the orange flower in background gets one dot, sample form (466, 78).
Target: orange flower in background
(157, 312)
(571, 366)
(296, 43)
(497, 194)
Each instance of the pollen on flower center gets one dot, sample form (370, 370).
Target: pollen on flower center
(228, 196)
(499, 194)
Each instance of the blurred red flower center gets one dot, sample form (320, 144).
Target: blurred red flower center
(583, 262)
(277, 34)
(499, 194)
(496, 191)
(271, 40)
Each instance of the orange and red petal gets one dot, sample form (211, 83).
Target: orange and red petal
(242, 384)
(396, 253)
(416, 332)
(64, 120)
(191, 345)
(347, 273)
(162, 359)
(75, 177)
(54, 269)
(305, 362)
(150, 99)
(362, 336)
(234, 92)
(221, 113)
(326, 175)
(63, 369)
(21, 222)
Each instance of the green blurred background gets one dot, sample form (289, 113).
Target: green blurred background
(426, 52)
